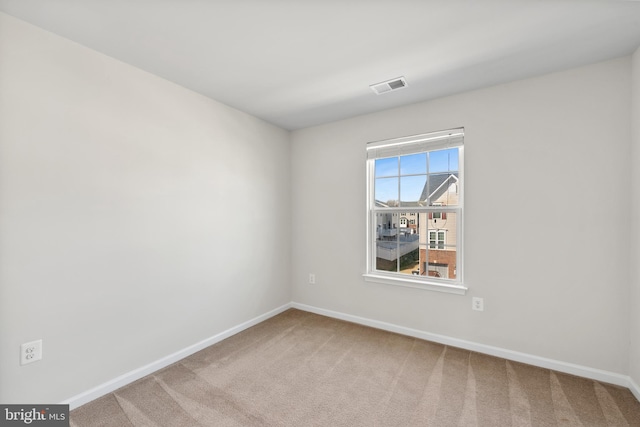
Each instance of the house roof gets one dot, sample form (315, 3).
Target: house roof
(437, 185)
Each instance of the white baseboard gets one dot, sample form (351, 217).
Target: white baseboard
(152, 367)
(635, 389)
(569, 368)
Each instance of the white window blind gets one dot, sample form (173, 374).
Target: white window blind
(416, 144)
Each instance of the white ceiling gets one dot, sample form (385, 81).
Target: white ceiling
(298, 63)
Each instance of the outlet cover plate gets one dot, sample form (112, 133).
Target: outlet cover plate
(477, 304)
(30, 352)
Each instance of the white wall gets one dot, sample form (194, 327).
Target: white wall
(550, 258)
(634, 300)
(136, 217)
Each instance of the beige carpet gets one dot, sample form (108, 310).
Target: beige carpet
(301, 369)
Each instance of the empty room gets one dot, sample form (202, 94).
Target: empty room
(319, 213)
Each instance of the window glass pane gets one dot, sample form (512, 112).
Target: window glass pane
(409, 251)
(386, 250)
(412, 189)
(387, 167)
(413, 164)
(443, 188)
(443, 161)
(441, 257)
(386, 190)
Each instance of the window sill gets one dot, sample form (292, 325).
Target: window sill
(418, 284)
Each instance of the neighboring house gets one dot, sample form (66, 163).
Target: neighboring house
(440, 233)
(410, 231)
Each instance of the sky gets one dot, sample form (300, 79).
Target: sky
(411, 173)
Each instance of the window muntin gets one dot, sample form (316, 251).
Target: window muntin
(419, 178)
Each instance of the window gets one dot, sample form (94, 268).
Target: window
(436, 239)
(420, 178)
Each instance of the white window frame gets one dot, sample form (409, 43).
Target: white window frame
(404, 146)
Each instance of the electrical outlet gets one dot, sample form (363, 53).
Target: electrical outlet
(477, 304)
(30, 352)
(312, 279)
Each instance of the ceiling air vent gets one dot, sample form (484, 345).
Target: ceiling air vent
(389, 85)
